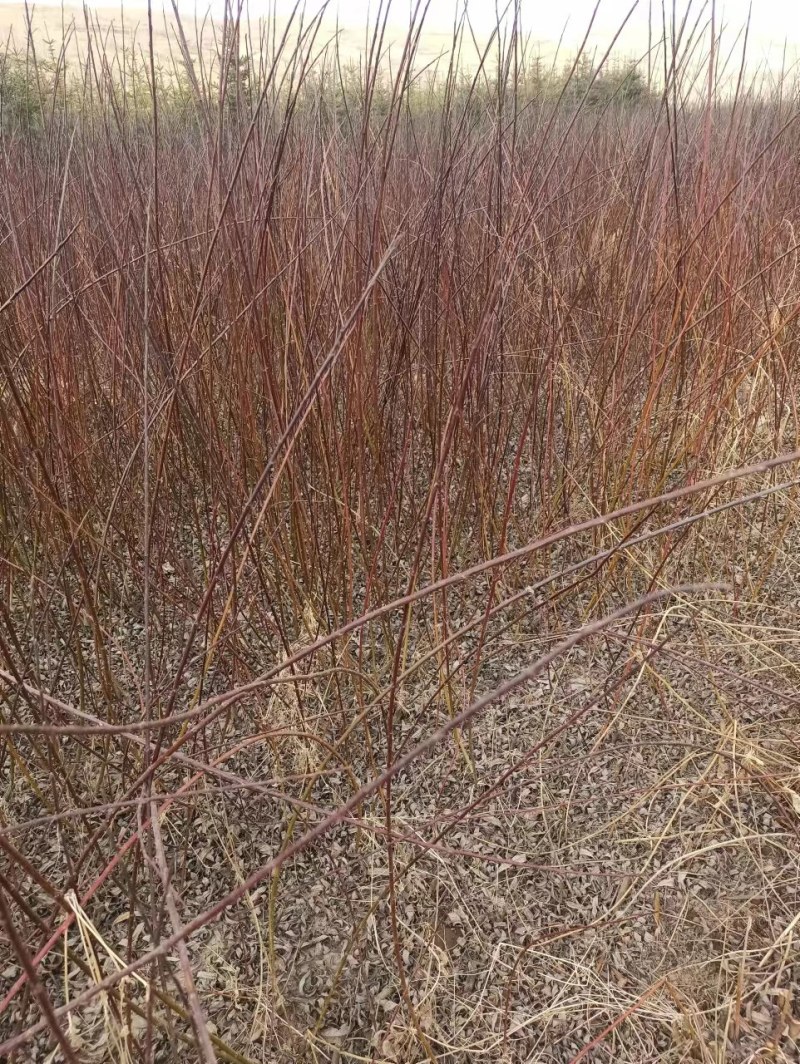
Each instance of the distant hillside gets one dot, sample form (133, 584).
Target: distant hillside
(112, 29)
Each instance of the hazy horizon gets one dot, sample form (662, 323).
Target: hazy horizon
(773, 39)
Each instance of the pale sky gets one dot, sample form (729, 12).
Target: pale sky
(775, 20)
(771, 20)
(774, 24)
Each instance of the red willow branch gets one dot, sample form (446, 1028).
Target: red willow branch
(363, 794)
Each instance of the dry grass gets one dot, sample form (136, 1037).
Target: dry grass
(398, 537)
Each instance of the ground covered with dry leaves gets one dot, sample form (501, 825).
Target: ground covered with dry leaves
(399, 595)
(602, 866)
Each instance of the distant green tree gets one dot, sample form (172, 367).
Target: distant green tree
(20, 100)
(621, 83)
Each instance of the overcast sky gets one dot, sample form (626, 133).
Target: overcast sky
(775, 20)
(771, 19)
(774, 24)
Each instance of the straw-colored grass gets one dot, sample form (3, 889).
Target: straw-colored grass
(398, 532)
